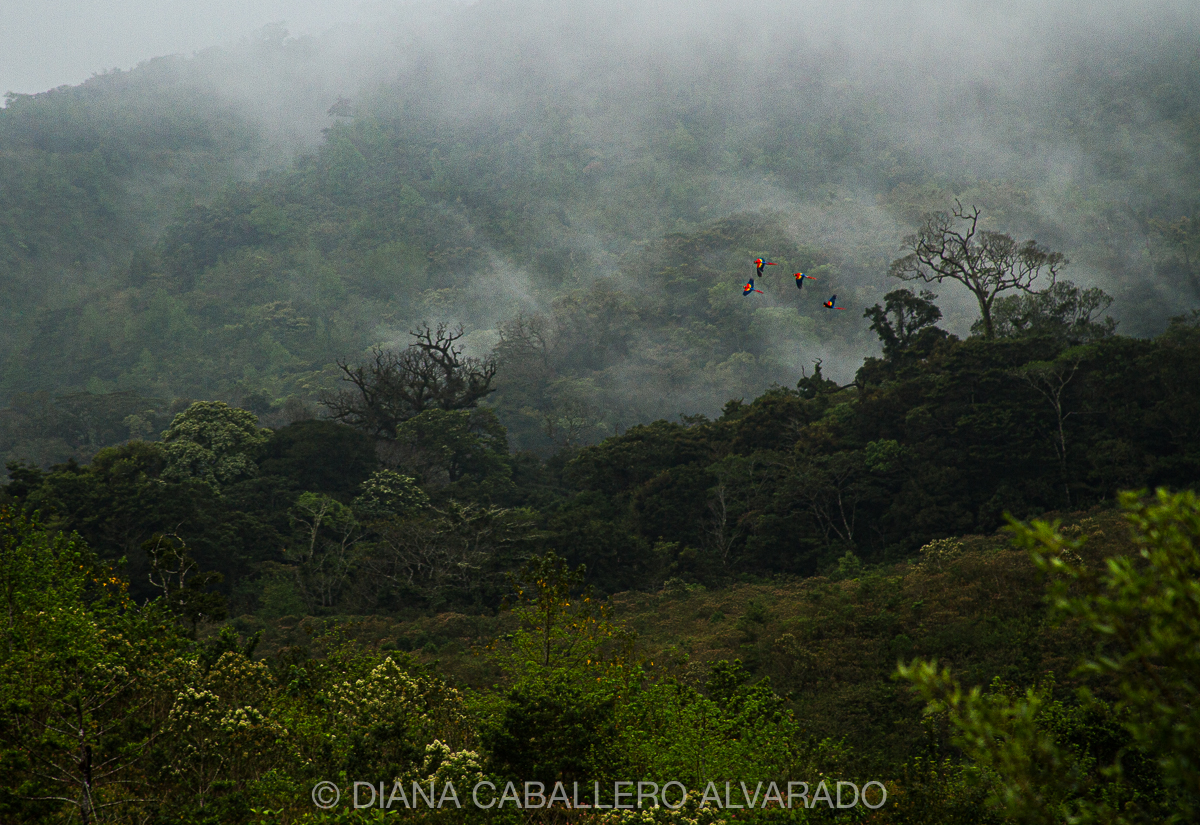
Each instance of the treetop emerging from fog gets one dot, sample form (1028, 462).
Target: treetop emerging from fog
(953, 247)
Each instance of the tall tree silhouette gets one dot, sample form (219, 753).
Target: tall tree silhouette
(952, 246)
(432, 373)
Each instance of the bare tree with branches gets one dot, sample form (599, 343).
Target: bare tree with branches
(1183, 236)
(432, 373)
(183, 585)
(721, 528)
(1050, 379)
(741, 481)
(831, 487)
(443, 548)
(325, 563)
(987, 263)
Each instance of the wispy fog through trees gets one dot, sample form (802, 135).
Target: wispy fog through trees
(606, 171)
(396, 403)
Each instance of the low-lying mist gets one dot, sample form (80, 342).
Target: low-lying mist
(1056, 119)
(612, 169)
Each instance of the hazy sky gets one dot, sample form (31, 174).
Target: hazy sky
(48, 44)
(56, 42)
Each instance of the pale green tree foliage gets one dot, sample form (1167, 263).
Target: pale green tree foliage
(80, 669)
(569, 670)
(328, 534)
(397, 709)
(1039, 780)
(443, 765)
(742, 729)
(434, 549)
(1063, 311)
(212, 442)
(1144, 613)
(390, 494)
(562, 624)
(221, 727)
(1145, 610)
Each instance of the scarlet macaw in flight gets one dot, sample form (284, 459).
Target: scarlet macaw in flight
(750, 288)
(760, 263)
(830, 303)
(800, 276)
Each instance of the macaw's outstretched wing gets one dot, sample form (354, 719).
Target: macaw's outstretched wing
(760, 263)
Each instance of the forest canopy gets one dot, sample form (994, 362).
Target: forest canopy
(220, 256)
(397, 407)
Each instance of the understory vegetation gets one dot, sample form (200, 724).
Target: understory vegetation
(424, 439)
(1079, 706)
(202, 627)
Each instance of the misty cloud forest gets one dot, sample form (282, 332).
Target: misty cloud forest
(394, 409)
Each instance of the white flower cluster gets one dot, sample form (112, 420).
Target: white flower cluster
(690, 813)
(219, 720)
(938, 553)
(443, 765)
(386, 692)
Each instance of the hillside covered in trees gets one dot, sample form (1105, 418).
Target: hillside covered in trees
(756, 557)
(615, 193)
(377, 411)
(939, 438)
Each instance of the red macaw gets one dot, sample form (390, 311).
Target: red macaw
(830, 303)
(800, 276)
(760, 263)
(750, 288)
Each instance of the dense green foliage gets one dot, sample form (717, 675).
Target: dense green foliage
(1090, 761)
(939, 438)
(545, 209)
(458, 504)
(109, 712)
(922, 447)
(196, 732)
(84, 181)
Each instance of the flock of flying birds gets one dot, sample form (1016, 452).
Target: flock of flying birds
(800, 276)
